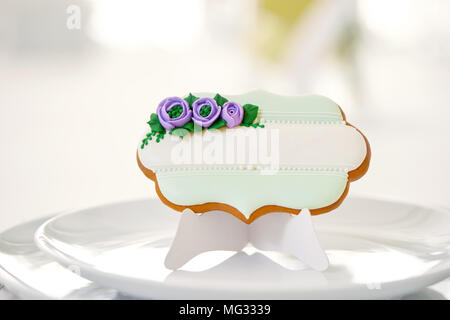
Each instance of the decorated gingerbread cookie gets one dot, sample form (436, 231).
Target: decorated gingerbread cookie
(252, 154)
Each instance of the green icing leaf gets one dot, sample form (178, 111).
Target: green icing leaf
(218, 124)
(189, 126)
(220, 100)
(155, 124)
(180, 132)
(250, 114)
(198, 128)
(149, 137)
(191, 99)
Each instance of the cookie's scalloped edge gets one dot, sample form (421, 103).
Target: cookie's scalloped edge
(210, 206)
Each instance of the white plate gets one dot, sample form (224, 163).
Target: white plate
(378, 250)
(30, 273)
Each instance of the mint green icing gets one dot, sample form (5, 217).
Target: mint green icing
(247, 190)
(277, 107)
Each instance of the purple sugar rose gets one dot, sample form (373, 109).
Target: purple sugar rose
(205, 112)
(232, 113)
(173, 112)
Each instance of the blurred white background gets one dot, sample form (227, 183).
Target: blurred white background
(74, 101)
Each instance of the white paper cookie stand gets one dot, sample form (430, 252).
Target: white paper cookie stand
(217, 230)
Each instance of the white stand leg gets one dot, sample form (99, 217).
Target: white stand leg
(292, 234)
(201, 233)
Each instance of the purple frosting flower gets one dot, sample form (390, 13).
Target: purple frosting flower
(205, 112)
(170, 119)
(232, 113)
